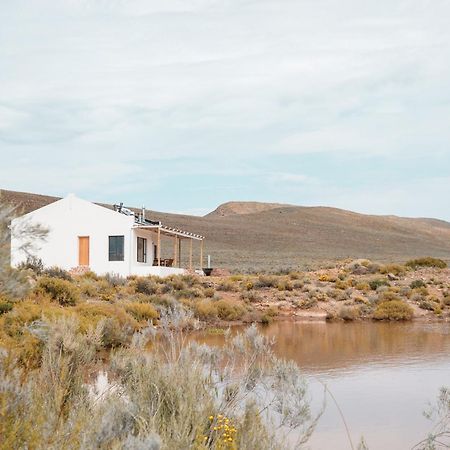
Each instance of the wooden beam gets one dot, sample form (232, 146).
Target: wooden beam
(179, 252)
(175, 251)
(159, 247)
(190, 254)
(201, 255)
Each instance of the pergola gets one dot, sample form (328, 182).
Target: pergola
(178, 236)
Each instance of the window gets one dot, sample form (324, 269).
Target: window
(116, 248)
(141, 250)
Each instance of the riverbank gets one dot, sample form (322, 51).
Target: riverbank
(349, 291)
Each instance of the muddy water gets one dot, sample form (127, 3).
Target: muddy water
(382, 375)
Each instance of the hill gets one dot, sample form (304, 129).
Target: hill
(235, 208)
(282, 236)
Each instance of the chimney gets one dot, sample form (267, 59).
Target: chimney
(143, 213)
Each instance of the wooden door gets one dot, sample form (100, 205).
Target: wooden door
(83, 250)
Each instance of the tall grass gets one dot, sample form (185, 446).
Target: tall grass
(179, 395)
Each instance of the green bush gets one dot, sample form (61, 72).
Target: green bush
(62, 291)
(417, 284)
(5, 306)
(375, 284)
(430, 303)
(426, 262)
(393, 310)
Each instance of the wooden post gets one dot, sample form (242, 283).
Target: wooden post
(201, 254)
(159, 247)
(175, 248)
(179, 252)
(190, 254)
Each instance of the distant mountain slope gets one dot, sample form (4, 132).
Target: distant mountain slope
(234, 208)
(288, 236)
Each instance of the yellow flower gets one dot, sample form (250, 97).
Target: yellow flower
(211, 417)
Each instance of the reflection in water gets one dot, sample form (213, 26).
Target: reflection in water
(382, 374)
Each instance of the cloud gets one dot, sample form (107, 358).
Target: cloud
(194, 94)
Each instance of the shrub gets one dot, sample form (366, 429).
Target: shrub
(393, 310)
(209, 292)
(228, 310)
(175, 282)
(62, 291)
(426, 262)
(430, 304)
(417, 284)
(307, 303)
(266, 281)
(204, 309)
(32, 263)
(227, 286)
(395, 269)
(285, 285)
(348, 313)
(249, 285)
(57, 272)
(375, 284)
(340, 284)
(114, 279)
(250, 296)
(145, 286)
(141, 311)
(113, 334)
(361, 286)
(5, 306)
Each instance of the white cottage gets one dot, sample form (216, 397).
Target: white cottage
(81, 233)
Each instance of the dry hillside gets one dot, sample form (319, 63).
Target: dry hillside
(247, 236)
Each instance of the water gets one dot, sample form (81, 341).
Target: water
(383, 376)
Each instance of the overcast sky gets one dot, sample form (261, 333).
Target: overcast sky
(184, 104)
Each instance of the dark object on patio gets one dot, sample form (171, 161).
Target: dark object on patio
(168, 262)
(208, 271)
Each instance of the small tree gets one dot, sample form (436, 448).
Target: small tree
(13, 282)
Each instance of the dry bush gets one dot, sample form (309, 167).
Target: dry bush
(250, 296)
(285, 285)
(227, 286)
(348, 313)
(266, 281)
(141, 311)
(393, 310)
(58, 289)
(230, 310)
(145, 286)
(426, 262)
(395, 269)
(204, 309)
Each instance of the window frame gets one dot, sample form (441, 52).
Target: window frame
(116, 256)
(144, 250)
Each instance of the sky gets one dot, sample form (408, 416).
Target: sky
(181, 105)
